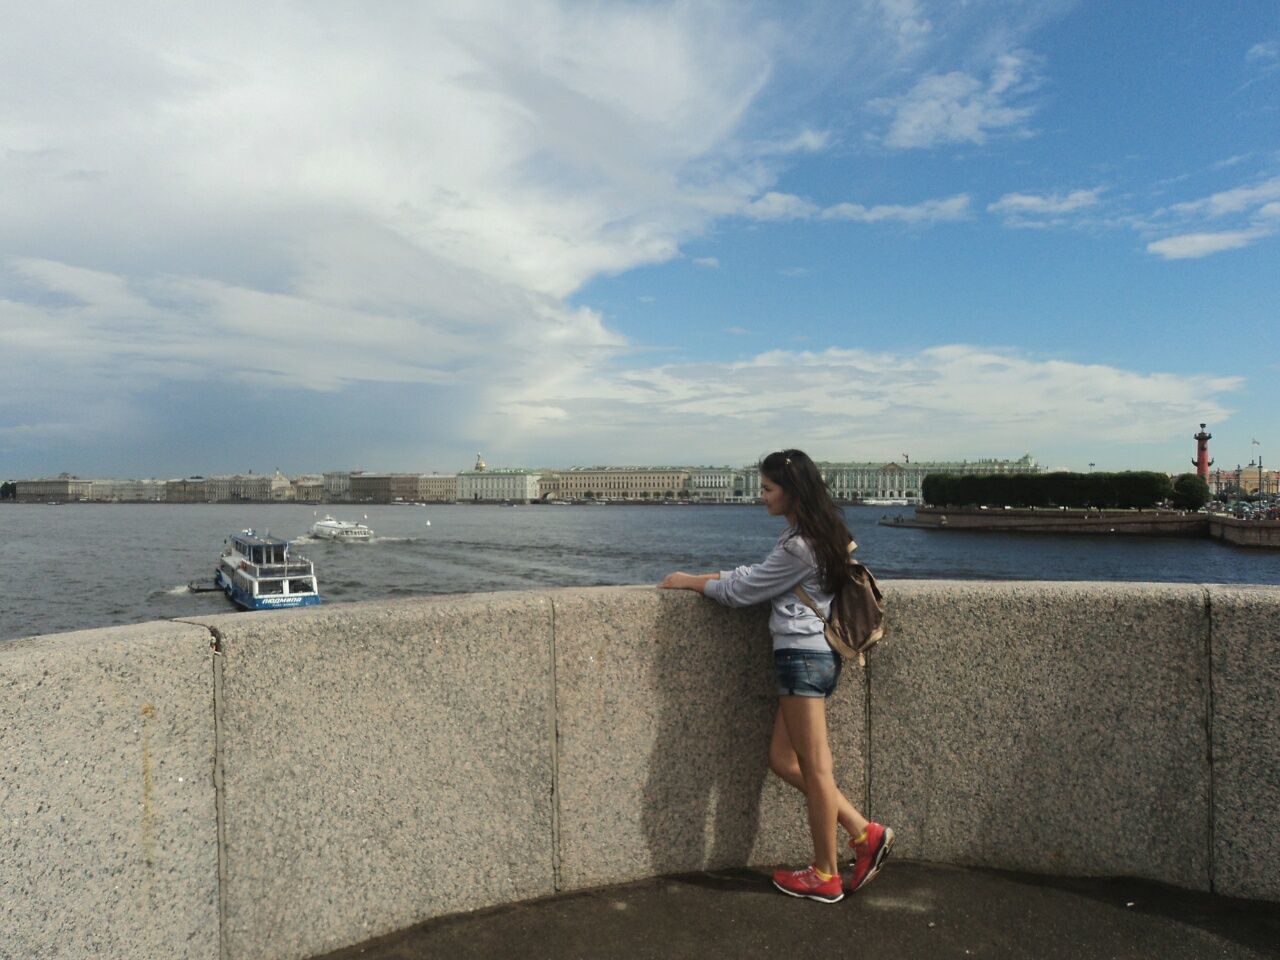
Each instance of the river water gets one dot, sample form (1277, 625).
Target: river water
(76, 566)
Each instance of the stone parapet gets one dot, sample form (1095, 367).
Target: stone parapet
(382, 763)
(339, 772)
(665, 706)
(1245, 641)
(108, 831)
(1053, 727)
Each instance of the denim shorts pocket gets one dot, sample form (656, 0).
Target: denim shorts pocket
(822, 672)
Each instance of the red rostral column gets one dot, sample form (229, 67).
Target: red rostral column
(1202, 461)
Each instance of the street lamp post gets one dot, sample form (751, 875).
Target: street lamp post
(1259, 446)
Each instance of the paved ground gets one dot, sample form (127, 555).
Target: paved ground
(912, 910)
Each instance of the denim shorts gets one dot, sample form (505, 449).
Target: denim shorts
(806, 673)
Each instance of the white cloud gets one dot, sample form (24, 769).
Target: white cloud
(737, 331)
(957, 107)
(1266, 50)
(788, 206)
(929, 211)
(838, 399)
(1249, 211)
(709, 263)
(1188, 246)
(906, 21)
(309, 197)
(779, 206)
(1025, 204)
(806, 141)
(1235, 200)
(113, 330)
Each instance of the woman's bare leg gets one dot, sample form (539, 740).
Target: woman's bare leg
(784, 762)
(806, 721)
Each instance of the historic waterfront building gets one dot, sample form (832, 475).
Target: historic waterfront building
(237, 488)
(337, 486)
(46, 489)
(1249, 480)
(309, 488)
(497, 486)
(281, 487)
(437, 487)
(715, 484)
(187, 490)
(896, 481)
(127, 491)
(624, 483)
(549, 485)
(384, 487)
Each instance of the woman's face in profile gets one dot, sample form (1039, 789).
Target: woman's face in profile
(775, 498)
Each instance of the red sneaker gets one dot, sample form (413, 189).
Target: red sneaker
(807, 883)
(870, 855)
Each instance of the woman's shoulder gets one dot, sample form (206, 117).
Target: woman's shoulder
(794, 543)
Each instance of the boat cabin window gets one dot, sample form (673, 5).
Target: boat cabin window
(270, 587)
(302, 585)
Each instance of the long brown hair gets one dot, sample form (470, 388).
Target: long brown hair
(818, 520)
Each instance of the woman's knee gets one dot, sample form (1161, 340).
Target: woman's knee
(816, 768)
(784, 764)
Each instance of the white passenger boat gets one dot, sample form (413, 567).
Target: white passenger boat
(331, 529)
(257, 573)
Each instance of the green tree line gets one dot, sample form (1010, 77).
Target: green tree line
(1126, 490)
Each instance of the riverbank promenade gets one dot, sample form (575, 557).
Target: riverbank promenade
(516, 769)
(912, 911)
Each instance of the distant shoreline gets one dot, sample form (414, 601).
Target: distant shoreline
(1148, 523)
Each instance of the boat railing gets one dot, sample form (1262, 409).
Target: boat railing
(271, 571)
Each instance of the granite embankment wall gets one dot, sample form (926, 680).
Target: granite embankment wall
(1245, 533)
(1149, 523)
(283, 784)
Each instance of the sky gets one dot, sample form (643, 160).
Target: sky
(324, 236)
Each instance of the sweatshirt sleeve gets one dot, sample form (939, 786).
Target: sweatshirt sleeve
(776, 574)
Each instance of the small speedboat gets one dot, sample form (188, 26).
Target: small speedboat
(257, 573)
(331, 529)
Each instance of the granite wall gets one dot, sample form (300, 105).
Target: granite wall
(322, 775)
(108, 830)
(1053, 727)
(381, 763)
(665, 704)
(1245, 643)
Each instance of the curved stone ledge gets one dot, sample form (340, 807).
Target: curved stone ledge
(364, 767)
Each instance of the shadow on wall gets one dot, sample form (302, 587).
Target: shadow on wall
(714, 707)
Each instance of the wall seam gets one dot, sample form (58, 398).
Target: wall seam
(554, 730)
(219, 798)
(1209, 715)
(867, 740)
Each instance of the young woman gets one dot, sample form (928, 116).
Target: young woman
(811, 552)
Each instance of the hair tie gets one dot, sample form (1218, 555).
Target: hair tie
(787, 461)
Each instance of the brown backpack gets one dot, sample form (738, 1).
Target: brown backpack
(867, 605)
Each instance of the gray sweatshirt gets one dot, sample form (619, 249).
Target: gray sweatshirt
(790, 563)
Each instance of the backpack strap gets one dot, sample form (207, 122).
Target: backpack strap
(832, 635)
